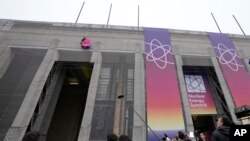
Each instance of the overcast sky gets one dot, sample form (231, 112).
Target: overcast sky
(174, 14)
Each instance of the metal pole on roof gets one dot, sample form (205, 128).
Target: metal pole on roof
(79, 14)
(216, 22)
(138, 17)
(239, 26)
(109, 15)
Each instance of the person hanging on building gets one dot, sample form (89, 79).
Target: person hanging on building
(85, 43)
(222, 132)
(83, 39)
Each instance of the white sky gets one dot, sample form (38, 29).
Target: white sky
(174, 14)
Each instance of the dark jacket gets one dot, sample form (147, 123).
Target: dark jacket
(221, 134)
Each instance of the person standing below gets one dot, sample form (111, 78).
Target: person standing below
(124, 138)
(222, 132)
(187, 138)
(202, 137)
(112, 137)
(180, 136)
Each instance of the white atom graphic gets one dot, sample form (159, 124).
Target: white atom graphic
(228, 57)
(194, 83)
(162, 60)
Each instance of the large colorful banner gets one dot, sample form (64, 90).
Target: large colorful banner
(164, 110)
(237, 78)
(199, 92)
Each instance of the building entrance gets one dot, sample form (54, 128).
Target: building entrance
(206, 99)
(68, 113)
(61, 106)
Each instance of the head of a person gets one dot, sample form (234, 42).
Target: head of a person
(203, 136)
(181, 135)
(223, 121)
(112, 137)
(124, 138)
(31, 136)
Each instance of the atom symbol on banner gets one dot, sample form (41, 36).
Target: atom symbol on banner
(195, 83)
(228, 57)
(162, 60)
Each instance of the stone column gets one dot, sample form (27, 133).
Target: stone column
(184, 97)
(85, 129)
(139, 127)
(21, 122)
(44, 119)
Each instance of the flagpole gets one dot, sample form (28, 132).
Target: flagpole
(109, 15)
(239, 26)
(79, 14)
(216, 22)
(138, 25)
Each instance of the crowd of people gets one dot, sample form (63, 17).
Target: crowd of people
(222, 133)
(181, 136)
(34, 136)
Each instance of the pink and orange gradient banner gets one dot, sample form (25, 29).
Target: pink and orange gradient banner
(199, 92)
(164, 110)
(234, 71)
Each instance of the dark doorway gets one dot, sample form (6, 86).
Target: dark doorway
(66, 120)
(203, 124)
